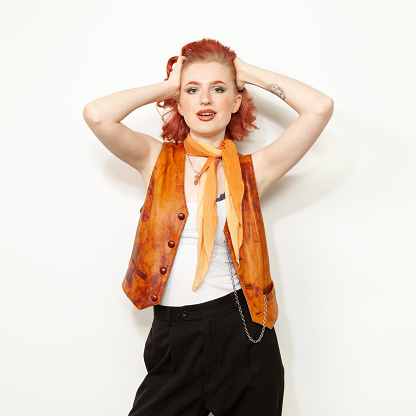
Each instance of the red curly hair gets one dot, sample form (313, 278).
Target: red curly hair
(207, 50)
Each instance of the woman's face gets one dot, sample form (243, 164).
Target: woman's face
(208, 97)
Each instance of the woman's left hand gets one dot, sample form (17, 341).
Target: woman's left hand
(239, 69)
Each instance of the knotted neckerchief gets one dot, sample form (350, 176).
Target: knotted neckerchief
(206, 217)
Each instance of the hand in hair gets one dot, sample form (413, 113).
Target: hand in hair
(239, 69)
(175, 76)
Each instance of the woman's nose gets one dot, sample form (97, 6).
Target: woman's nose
(205, 97)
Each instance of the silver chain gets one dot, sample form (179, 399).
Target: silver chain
(192, 166)
(230, 266)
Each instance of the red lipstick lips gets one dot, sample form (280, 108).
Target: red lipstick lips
(206, 114)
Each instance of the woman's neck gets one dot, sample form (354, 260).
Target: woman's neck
(214, 140)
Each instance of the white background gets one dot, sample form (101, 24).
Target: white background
(340, 225)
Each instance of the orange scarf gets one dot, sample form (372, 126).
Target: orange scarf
(206, 217)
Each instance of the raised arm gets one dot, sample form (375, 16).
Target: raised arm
(104, 116)
(314, 109)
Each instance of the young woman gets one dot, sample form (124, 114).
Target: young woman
(200, 255)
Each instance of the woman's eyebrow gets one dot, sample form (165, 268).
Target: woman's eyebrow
(211, 83)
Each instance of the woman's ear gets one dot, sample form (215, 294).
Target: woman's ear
(237, 104)
(180, 108)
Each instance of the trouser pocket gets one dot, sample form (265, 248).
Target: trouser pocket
(156, 354)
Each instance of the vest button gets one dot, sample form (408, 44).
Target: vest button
(171, 244)
(163, 270)
(154, 298)
(181, 216)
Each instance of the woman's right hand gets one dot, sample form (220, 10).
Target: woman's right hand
(175, 77)
(240, 66)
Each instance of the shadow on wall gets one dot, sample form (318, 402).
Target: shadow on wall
(335, 159)
(129, 182)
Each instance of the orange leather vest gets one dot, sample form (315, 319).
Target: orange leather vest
(161, 222)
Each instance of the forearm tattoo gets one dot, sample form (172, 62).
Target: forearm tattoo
(276, 90)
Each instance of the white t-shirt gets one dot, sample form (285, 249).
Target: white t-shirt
(217, 282)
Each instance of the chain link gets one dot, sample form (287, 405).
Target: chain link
(230, 266)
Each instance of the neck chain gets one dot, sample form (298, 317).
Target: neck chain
(198, 173)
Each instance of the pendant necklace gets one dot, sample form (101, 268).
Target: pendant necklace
(198, 173)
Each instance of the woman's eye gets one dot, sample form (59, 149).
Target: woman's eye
(219, 89)
(191, 90)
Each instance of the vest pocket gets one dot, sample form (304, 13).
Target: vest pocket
(270, 291)
(136, 270)
(272, 307)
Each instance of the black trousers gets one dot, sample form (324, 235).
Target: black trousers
(199, 360)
